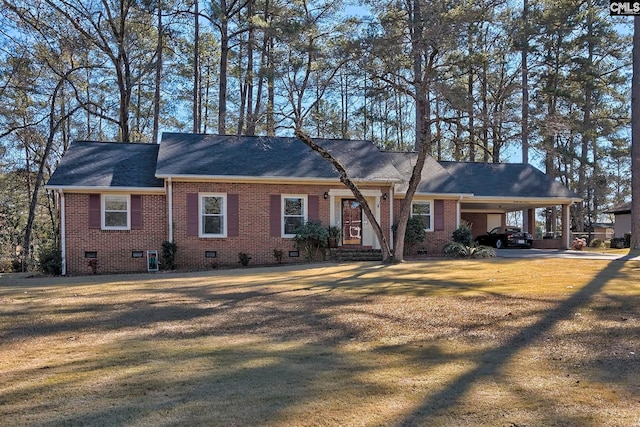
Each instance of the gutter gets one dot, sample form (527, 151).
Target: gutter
(170, 207)
(106, 189)
(268, 179)
(63, 232)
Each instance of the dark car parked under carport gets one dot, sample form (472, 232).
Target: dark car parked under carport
(505, 237)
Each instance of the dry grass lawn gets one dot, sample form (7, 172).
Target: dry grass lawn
(547, 342)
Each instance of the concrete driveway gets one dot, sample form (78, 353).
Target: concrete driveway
(560, 253)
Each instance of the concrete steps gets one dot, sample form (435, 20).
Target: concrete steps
(355, 254)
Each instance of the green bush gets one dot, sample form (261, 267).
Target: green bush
(621, 242)
(460, 250)
(50, 260)
(413, 234)
(243, 259)
(617, 243)
(463, 235)
(278, 254)
(596, 243)
(169, 250)
(312, 237)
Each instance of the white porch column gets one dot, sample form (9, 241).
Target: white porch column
(566, 227)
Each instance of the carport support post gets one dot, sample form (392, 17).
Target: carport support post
(531, 221)
(566, 228)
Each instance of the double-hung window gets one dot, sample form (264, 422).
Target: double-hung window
(424, 211)
(116, 212)
(213, 218)
(294, 213)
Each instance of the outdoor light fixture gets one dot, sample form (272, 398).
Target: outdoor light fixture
(326, 195)
(384, 196)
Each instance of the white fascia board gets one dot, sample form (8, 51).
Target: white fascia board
(548, 201)
(452, 196)
(105, 189)
(266, 179)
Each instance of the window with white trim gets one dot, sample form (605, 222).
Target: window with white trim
(294, 213)
(116, 214)
(424, 211)
(213, 218)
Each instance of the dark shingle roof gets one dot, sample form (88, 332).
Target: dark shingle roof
(505, 180)
(435, 179)
(511, 180)
(624, 208)
(267, 157)
(107, 164)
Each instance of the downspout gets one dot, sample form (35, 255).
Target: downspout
(170, 207)
(391, 197)
(63, 232)
(458, 203)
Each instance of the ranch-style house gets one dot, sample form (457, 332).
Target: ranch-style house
(215, 196)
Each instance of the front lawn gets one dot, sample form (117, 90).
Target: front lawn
(496, 342)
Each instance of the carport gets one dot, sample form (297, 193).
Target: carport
(499, 188)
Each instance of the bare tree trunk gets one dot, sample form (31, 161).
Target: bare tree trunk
(197, 101)
(224, 63)
(635, 138)
(123, 72)
(205, 101)
(158, 78)
(271, 94)
(53, 128)
(416, 57)
(524, 67)
(244, 85)
(485, 115)
(344, 178)
(472, 131)
(525, 83)
(425, 145)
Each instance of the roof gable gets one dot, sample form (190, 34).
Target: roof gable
(199, 155)
(107, 164)
(517, 180)
(434, 178)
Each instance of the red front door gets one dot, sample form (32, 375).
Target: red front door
(351, 222)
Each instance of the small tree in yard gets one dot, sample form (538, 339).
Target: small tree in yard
(50, 259)
(463, 245)
(169, 250)
(312, 237)
(463, 235)
(414, 233)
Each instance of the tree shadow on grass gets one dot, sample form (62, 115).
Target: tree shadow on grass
(490, 363)
(288, 362)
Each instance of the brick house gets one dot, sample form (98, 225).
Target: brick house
(215, 196)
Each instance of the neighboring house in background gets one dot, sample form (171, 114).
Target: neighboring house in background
(597, 230)
(602, 230)
(622, 221)
(215, 196)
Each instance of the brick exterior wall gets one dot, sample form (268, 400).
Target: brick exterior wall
(113, 247)
(478, 223)
(254, 236)
(435, 241)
